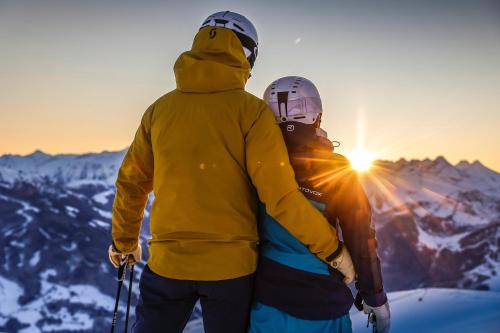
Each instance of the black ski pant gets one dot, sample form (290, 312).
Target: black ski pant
(165, 305)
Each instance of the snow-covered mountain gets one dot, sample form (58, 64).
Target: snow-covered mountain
(68, 169)
(437, 226)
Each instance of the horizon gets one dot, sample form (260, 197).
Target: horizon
(470, 162)
(399, 80)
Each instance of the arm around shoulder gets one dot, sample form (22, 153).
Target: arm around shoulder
(271, 173)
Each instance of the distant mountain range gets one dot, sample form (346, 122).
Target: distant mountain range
(65, 169)
(438, 225)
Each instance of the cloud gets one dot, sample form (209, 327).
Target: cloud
(297, 40)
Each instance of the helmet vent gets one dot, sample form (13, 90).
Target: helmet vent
(221, 21)
(237, 26)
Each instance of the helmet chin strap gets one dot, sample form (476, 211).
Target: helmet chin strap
(317, 123)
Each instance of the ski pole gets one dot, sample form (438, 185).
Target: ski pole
(372, 319)
(129, 296)
(121, 276)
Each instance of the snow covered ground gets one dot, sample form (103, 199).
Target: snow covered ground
(439, 311)
(429, 311)
(60, 318)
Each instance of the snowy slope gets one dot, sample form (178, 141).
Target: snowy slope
(439, 311)
(54, 275)
(59, 307)
(428, 311)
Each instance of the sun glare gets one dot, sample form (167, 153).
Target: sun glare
(361, 160)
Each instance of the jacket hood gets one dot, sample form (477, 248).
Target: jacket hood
(216, 62)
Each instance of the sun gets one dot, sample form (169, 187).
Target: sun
(361, 160)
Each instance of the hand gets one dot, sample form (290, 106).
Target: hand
(343, 263)
(382, 315)
(116, 256)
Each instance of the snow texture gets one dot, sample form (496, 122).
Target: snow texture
(429, 311)
(438, 225)
(439, 311)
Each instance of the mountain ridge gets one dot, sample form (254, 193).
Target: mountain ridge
(40, 152)
(438, 225)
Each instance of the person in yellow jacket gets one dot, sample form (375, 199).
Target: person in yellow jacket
(209, 151)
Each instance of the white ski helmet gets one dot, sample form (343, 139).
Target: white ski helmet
(242, 27)
(294, 98)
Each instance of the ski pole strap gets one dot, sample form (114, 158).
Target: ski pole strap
(122, 270)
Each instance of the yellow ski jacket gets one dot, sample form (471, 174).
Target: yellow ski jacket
(209, 150)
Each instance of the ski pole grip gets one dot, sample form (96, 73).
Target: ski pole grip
(123, 268)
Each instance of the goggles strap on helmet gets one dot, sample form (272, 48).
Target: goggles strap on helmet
(250, 45)
(283, 99)
(241, 26)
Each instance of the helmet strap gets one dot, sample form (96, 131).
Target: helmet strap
(317, 123)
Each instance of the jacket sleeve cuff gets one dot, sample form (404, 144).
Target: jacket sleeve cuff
(115, 248)
(335, 254)
(124, 248)
(376, 299)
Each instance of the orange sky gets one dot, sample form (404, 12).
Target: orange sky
(403, 80)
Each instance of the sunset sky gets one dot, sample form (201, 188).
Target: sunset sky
(409, 79)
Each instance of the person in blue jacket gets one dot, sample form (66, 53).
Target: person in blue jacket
(294, 290)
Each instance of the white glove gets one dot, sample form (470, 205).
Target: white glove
(382, 315)
(343, 263)
(116, 256)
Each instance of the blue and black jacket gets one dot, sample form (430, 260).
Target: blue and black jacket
(291, 278)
